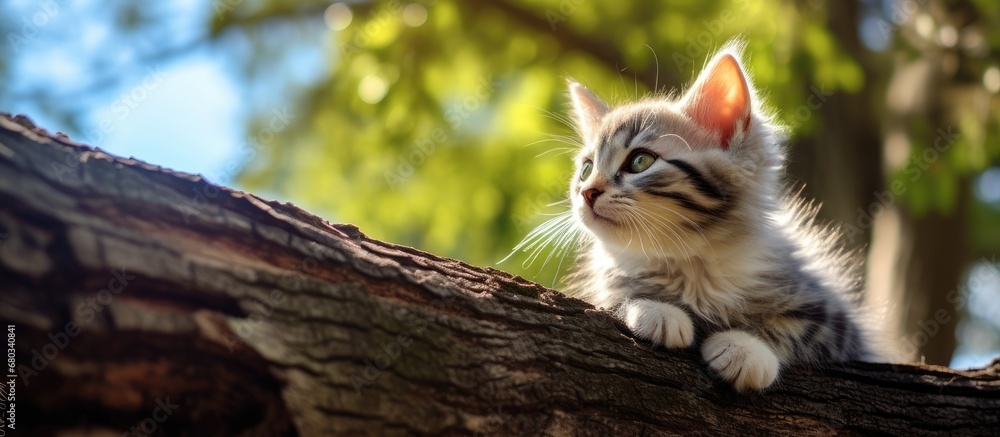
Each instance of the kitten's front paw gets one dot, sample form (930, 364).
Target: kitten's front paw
(742, 359)
(659, 322)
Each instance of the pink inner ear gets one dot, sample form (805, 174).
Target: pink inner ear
(723, 100)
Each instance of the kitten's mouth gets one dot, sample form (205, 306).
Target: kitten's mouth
(589, 214)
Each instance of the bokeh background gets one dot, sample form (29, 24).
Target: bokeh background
(439, 124)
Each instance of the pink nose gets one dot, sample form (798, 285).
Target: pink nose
(590, 196)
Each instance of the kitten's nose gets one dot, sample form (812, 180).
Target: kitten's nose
(590, 195)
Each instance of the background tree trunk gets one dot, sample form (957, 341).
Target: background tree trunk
(913, 261)
(150, 300)
(921, 258)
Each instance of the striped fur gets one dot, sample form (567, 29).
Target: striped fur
(704, 247)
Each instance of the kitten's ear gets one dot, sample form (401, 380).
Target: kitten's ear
(587, 109)
(720, 98)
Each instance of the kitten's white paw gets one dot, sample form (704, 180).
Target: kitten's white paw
(742, 359)
(660, 322)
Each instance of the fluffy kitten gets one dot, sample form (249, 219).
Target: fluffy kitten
(691, 240)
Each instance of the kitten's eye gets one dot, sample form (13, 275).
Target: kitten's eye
(585, 170)
(639, 162)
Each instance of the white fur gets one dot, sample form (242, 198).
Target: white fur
(660, 322)
(742, 359)
(713, 283)
(761, 266)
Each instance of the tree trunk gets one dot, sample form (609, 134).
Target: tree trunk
(920, 259)
(147, 300)
(913, 262)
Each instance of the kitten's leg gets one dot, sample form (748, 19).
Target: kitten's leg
(660, 322)
(741, 358)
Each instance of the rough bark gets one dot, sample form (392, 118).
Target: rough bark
(166, 297)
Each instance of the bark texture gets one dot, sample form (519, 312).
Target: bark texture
(147, 299)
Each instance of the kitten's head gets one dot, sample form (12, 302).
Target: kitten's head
(665, 176)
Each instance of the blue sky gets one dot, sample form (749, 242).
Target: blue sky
(189, 121)
(184, 113)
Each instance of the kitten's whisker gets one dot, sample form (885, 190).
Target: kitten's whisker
(556, 116)
(565, 234)
(539, 234)
(544, 236)
(568, 138)
(631, 235)
(573, 235)
(663, 249)
(622, 78)
(627, 226)
(542, 229)
(678, 240)
(656, 59)
(692, 223)
(649, 227)
(679, 137)
(684, 244)
(543, 140)
(549, 214)
(648, 115)
(635, 83)
(538, 250)
(555, 241)
(564, 136)
(561, 150)
(645, 228)
(575, 144)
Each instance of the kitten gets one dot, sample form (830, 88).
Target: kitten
(691, 240)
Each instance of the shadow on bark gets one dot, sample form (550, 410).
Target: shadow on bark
(149, 301)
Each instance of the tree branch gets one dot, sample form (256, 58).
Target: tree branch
(602, 50)
(142, 297)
